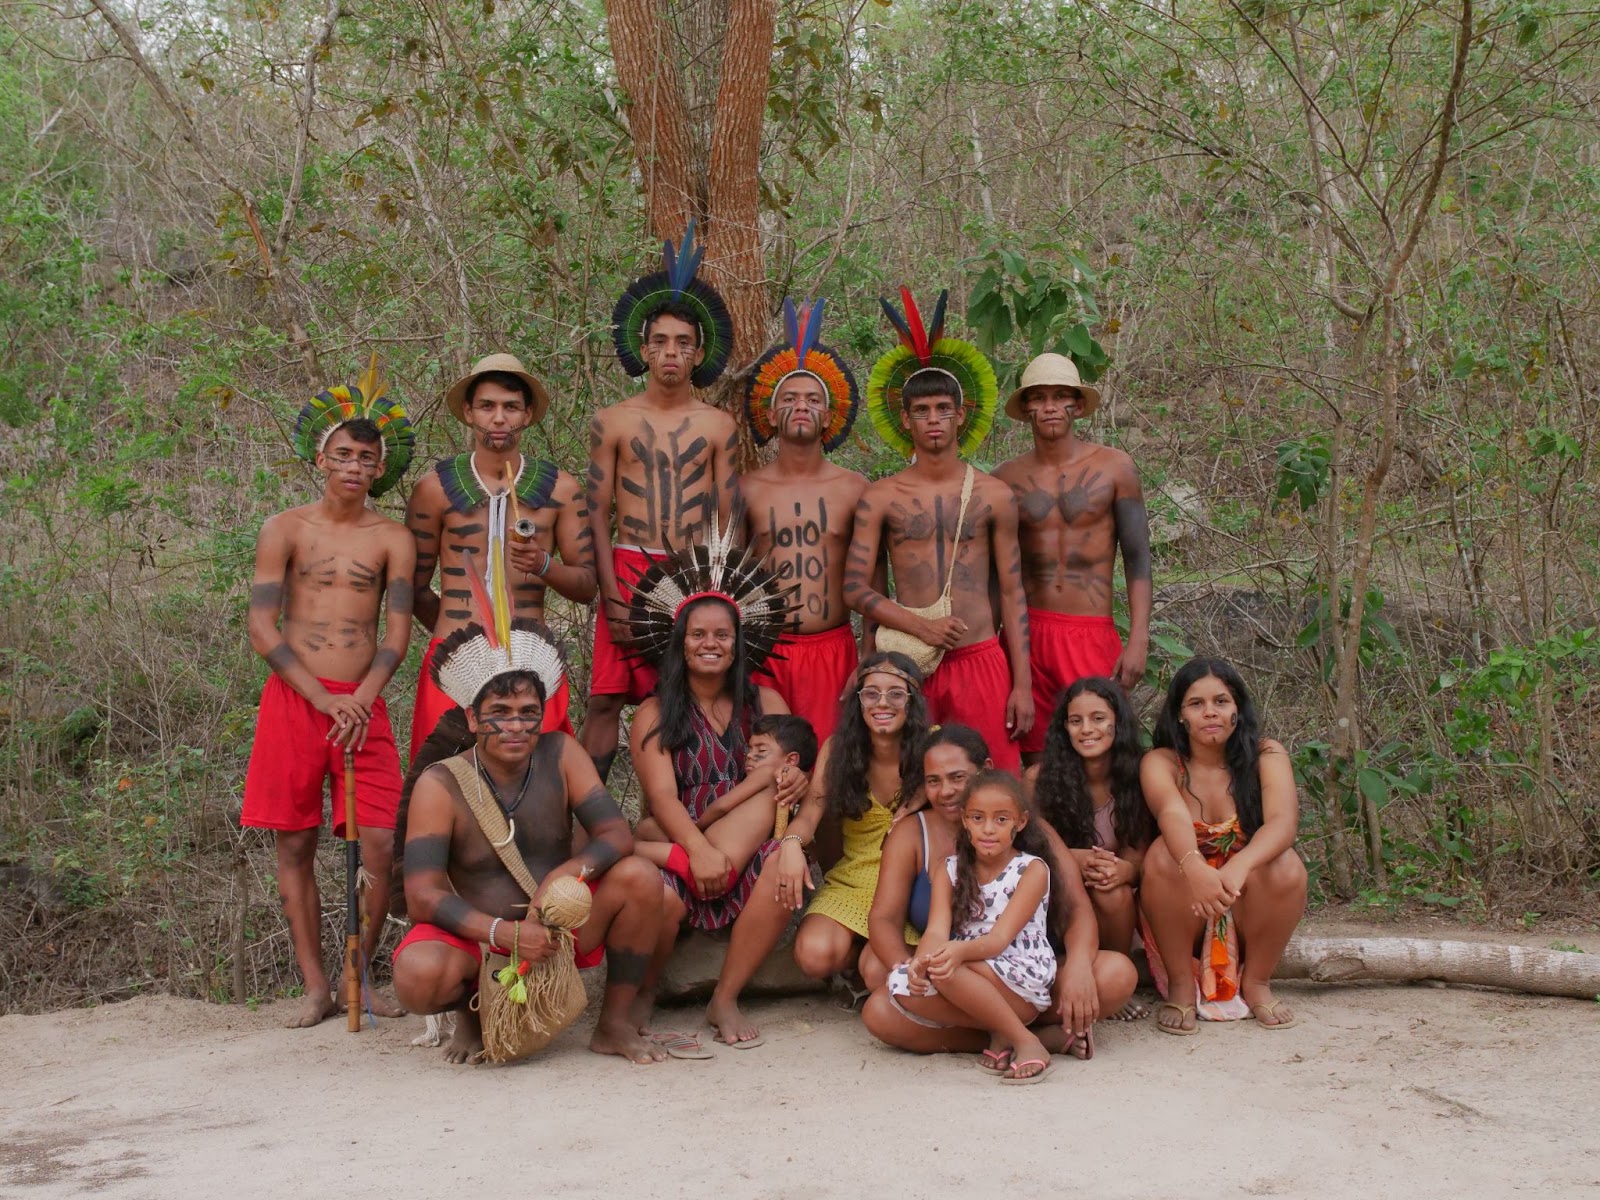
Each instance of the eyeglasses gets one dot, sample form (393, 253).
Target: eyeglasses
(894, 697)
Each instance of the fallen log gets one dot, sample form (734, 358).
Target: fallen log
(1417, 960)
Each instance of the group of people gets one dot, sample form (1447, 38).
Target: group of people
(966, 768)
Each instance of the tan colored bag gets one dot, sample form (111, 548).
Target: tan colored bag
(893, 641)
(513, 1031)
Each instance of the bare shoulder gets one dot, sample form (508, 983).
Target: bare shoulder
(1117, 462)
(845, 479)
(1164, 759)
(648, 715)
(995, 491)
(717, 420)
(771, 702)
(567, 488)
(1015, 472)
(1272, 746)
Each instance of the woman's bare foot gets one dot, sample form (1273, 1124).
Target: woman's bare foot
(732, 1026)
(624, 1040)
(1133, 1010)
(466, 1043)
(1264, 1007)
(642, 1011)
(1029, 1057)
(315, 1007)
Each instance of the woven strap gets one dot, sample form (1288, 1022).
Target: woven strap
(491, 820)
(955, 545)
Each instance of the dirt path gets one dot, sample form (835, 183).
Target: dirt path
(1413, 1091)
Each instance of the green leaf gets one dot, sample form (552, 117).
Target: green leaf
(1463, 364)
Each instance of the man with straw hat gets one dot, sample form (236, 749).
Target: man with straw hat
(501, 515)
(329, 569)
(800, 509)
(660, 466)
(1078, 502)
(488, 832)
(948, 529)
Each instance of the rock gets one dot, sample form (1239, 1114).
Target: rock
(696, 962)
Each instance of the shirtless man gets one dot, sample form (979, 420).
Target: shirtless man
(664, 461)
(461, 896)
(1078, 503)
(799, 516)
(454, 509)
(325, 568)
(916, 510)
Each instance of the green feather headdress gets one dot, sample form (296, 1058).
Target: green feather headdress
(325, 412)
(676, 281)
(927, 349)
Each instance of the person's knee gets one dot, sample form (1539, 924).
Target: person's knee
(1285, 876)
(1115, 903)
(1115, 976)
(297, 849)
(816, 953)
(603, 708)
(635, 880)
(430, 978)
(873, 973)
(880, 1017)
(377, 847)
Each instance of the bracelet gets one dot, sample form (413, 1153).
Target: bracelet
(494, 925)
(548, 559)
(793, 837)
(1185, 858)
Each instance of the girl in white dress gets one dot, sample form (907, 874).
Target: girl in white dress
(995, 969)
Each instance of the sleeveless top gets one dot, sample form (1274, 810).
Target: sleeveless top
(921, 886)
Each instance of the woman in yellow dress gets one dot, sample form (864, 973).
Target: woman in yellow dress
(860, 770)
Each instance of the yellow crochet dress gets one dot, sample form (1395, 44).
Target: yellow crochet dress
(847, 890)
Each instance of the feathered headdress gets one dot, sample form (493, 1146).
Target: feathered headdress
(676, 281)
(927, 349)
(325, 412)
(719, 569)
(496, 644)
(802, 354)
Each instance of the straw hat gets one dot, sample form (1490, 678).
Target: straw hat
(456, 397)
(1051, 370)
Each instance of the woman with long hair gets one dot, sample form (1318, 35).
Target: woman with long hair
(864, 770)
(1087, 788)
(1223, 877)
(951, 755)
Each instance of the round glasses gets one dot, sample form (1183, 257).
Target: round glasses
(894, 697)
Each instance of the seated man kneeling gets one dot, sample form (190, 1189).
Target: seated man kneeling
(462, 896)
(741, 820)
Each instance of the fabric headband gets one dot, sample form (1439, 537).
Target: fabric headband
(694, 596)
(886, 668)
(383, 449)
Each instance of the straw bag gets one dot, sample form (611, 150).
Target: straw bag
(513, 1030)
(893, 641)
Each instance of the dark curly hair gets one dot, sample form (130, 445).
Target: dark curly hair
(674, 723)
(846, 776)
(966, 904)
(1241, 753)
(1062, 793)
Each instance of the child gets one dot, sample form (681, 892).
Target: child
(996, 971)
(742, 820)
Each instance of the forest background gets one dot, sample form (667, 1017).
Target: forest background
(1335, 265)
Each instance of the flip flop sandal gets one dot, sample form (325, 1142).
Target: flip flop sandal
(994, 1062)
(680, 1045)
(853, 997)
(1012, 1079)
(748, 1044)
(1183, 1010)
(1272, 1011)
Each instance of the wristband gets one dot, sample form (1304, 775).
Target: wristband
(546, 565)
(793, 837)
(1186, 858)
(493, 926)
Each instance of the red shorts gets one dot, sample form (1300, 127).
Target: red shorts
(433, 704)
(424, 932)
(970, 687)
(612, 672)
(1063, 649)
(292, 763)
(812, 672)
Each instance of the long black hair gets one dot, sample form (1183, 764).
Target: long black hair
(966, 904)
(1241, 753)
(675, 720)
(1062, 793)
(846, 778)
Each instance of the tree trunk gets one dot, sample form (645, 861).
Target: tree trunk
(1414, 960)
(658, 120)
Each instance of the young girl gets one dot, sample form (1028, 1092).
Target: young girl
(997, 968)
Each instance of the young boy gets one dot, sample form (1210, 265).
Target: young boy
(740, 821)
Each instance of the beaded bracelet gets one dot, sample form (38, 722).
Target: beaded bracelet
(494, 925)
(1185, 858)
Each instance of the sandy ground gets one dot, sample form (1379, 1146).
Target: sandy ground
(1380, 1091)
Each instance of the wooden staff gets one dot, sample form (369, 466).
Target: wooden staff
(352, 913)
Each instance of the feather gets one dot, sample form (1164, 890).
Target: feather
(810, 328)
(685, 265)
(936, 330)
(919, 335)
(791, 326)
(899, 324)
(371, 386)
(480, 597)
